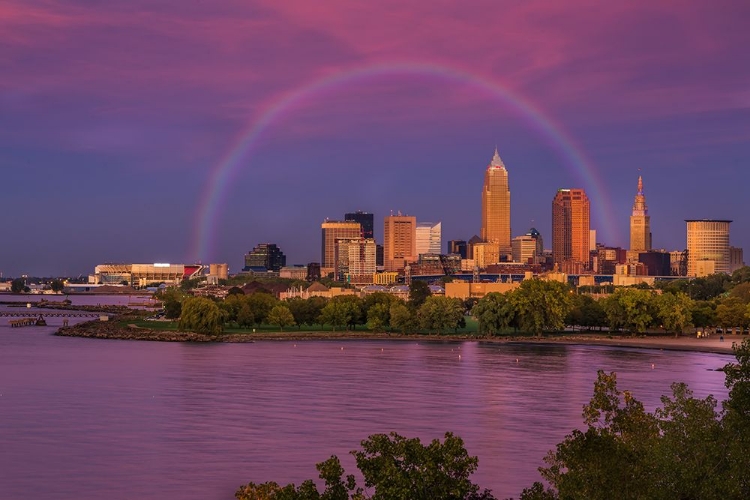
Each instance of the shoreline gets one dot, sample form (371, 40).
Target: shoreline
(106, 330)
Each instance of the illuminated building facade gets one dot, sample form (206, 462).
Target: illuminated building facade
(571, 230)
(496, 206)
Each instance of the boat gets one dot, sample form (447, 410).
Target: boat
(40, 321)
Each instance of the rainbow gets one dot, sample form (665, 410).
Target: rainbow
(285, 103)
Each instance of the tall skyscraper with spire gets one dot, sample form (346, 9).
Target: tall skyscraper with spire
(496, 206)
(640, 222)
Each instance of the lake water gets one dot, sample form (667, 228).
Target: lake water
(89, 419)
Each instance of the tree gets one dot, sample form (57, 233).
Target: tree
(17, 285)
(281, 315)
(731, 312)
(245, 316)
(440, 313)
(57, 286)
(338, 313)
(674, 311)
(172, 299)
(201, 315)
(394, 467)
(418, 293)
(261, 304)
(674, 452)
(541, 305)
(703, 313)
(397, 467)
(379, 317)
(402, 318)
(630, 308)
(494, 313)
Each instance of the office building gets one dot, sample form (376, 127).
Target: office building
(457, 247)
(707, 246)
(265, 257)
(528, 248)
(571, 230)
(658, 263)
(399, 241)
(496, 206)
(355, 260)
(640, 222)
(331, 231)
(429, 236)
(365, 219)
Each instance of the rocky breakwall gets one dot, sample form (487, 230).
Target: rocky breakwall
(116, 330)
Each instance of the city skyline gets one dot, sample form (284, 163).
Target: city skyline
(171, 133)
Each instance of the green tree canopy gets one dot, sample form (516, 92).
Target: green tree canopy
(393, 468)
(494, 312)
(674, 311)
(201, 315)
(402, 318)
(439, 313)
(280, 316)
(630, 308)
(541, 305)
(418, 293)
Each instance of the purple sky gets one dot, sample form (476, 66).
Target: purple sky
(115, 116)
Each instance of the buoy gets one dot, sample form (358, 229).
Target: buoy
(516, 360)
(459, 356)
(652, 366)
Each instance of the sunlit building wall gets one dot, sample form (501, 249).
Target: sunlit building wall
(707, 240)
(496, 206)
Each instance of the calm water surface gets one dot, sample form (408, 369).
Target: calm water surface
(87, 418)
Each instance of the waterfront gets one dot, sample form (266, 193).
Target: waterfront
(87, 418)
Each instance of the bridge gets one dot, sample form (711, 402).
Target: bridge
(6, 314)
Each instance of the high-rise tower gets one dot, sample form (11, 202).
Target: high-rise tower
(399, 241)
(640, 222)
(496, 206)
(707, 246)
(333, 230)
(570, 230)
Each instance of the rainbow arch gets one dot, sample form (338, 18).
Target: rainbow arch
(275, 109)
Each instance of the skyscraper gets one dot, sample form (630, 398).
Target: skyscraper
(640, 222)
(365, 219)
(570, 229)
(399, 241)
(333, 230)
(265, 256)
(429, 237)
(496, 206)
(707, 246)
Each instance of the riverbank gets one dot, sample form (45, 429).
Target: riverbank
(115, 331)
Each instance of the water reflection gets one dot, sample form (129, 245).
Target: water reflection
(85, 418)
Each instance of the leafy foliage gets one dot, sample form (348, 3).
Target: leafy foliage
(201, 315)
(541, 305)
(494, 312)
(393, 467)
(684, 449)
(281, 316)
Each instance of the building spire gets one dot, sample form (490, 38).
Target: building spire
(496, 161)
(639, 204)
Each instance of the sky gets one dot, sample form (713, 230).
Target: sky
(190, 130)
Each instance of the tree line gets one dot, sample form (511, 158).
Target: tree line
(536, 306)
